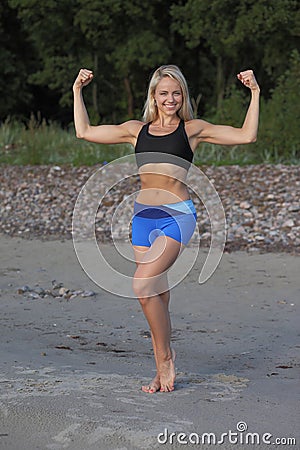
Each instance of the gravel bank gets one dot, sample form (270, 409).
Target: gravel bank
(261, 203)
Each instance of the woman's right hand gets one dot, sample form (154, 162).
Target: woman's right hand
(84, 78)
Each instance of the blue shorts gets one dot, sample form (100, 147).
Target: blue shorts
(176, 220)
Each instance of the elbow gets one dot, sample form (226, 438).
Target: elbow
(249, 136)
(250, 140)
(79, 135)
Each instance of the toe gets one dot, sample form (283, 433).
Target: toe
(167, 388)
(145, 388)
(151, 388)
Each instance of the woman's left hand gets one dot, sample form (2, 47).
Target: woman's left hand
(248, 79)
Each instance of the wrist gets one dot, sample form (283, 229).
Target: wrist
(255, 90)
(77, 88)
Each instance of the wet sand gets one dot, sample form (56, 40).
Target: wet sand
(71, 369)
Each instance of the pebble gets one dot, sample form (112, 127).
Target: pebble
(261, 204)
(60, 291)
(245, 205)
(288, 223)
(63, 291)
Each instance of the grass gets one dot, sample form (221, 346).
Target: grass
(41, 143)
(50, 144)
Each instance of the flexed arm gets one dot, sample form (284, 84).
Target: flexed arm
(227, 135)
(81, 118)
(102, 134)
(250, 125)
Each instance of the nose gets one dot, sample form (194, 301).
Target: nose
(170, 98)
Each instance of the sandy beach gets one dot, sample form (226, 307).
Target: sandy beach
(72, 366)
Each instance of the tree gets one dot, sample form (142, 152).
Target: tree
(126, 35)
(16, 58)
(123, 40)
(119, 40)
(57, 44)
(240, 35)
(280, 116)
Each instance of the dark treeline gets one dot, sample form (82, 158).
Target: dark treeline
(44, 44)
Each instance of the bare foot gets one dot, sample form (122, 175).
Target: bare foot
(167, 374)
(152, 387)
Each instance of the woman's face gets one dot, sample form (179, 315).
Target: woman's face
(168, 96)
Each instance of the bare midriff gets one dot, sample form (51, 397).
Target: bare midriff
(162, 183)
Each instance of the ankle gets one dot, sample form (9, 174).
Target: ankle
(164, 356)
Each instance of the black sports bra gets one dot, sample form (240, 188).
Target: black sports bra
(171, 148)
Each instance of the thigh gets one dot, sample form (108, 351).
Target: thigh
(142, 257)
(155, 262)
(139, 252)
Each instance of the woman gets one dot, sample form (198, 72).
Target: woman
(164, 216)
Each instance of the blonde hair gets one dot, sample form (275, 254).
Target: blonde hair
(150, 108)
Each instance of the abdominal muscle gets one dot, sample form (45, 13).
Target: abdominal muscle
(162, 183)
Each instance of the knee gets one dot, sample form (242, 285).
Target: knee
(143, 289)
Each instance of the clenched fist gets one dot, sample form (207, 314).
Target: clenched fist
(248, 79)
(84, 78)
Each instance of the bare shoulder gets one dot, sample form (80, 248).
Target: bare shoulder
(196, 130)
(194, 127)
(133, 127)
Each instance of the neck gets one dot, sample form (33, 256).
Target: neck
(166, 121)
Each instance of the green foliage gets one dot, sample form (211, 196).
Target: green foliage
(56, 41)
(279, 133)
(16, 64)
(236, 36)
(39, 143)
(44, 44)
(280, 115)
(233, 108)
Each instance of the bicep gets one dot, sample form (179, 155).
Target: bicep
(221, 134)
(108, 134)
